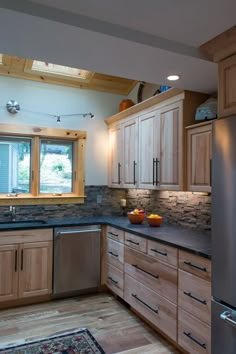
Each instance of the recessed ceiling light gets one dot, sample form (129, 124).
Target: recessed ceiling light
(173, 77)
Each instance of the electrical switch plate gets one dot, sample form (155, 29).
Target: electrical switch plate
(99, 199)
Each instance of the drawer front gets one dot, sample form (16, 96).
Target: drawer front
(194, 264)
(115, 234)
(156, 275)
(136, 242)
(25, 236)
(162, 252)
(159, 311)
(115, 280)
(194, 296)
(115, 254)
(193, 335)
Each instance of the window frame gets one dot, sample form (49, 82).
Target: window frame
(78, 138)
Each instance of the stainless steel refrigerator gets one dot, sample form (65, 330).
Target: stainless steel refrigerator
(224, 236)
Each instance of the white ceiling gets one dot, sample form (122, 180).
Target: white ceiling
(141, 40)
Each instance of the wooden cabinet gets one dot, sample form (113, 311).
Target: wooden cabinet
(130, 153)
(199, 155)
(170, 288)
(9, 272)
(35, 277)
(115, 156)
(147, 146)
(151, 284)
(27, 256)
(170, 174)
(115, 260)
(194, 303)
(149, 150)
(227, 87)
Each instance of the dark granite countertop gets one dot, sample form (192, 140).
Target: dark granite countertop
(195, 241)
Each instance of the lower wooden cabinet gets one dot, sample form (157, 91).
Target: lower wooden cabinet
(9, 272)
(193, 335)
(158, 310)
(28, 264)
(168, 287)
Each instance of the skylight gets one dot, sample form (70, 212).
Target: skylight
(61, 70)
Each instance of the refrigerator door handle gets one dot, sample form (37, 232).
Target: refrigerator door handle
(227, 317)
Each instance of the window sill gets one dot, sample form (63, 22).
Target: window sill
(41, 199)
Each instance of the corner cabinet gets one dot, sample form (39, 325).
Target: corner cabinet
(27, 257)
(199, 150)
(147, 142)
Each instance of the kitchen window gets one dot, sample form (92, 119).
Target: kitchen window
(41, 165)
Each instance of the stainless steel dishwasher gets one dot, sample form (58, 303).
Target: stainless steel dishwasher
(76, 259)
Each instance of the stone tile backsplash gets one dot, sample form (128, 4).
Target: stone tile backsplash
(183, 208)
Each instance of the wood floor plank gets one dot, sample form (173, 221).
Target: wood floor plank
(111, 322)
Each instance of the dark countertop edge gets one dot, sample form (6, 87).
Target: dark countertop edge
(206, 253)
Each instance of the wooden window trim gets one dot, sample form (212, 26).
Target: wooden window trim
(36, 133)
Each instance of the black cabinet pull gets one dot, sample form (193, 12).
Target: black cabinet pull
(159, 252)
(153, 171)
(137, 298)
(203, 345)
(134, 172)
(111, 233)
(195, 298)
(113, 254)
(15, 260)
(135, 243)
(22, 260)
(113, 281)
(152, 275)
(119, 166)
(157, 162)
(195, 266)
(210, 172)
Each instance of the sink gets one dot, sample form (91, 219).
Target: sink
(23, 223)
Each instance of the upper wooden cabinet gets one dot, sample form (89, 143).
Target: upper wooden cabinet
(222, 50)
(147, 144)
(199, 150)
(115, 155)
(227, 87)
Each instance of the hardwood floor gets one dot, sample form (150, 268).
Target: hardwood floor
(115, 327)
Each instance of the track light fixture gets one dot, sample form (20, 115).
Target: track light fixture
(13, 107)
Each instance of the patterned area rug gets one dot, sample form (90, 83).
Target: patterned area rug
(76, 342)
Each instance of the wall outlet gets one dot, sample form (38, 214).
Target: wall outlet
(99, 199)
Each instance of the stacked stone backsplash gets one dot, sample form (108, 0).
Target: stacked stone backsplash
(110, 206)
(183, 208)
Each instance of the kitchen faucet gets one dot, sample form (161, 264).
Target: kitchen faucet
(12, 212)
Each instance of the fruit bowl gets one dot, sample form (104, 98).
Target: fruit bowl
(154, 221)
(136, 218)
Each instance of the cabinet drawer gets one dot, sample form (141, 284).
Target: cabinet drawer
(163, 252)
(115, 234)
(194, 264)
(194, 296)
(159, 311)
(136, 242)
(115, 280)
(193, 335)
(115, 254)
(156, 275)
(25, 236)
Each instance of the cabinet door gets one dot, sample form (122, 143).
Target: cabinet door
(170, 163)
(9, 263)
(115, 156)
(130, 136)
(35, 277)
(149, 133)
(199, 158)
(227, 87)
